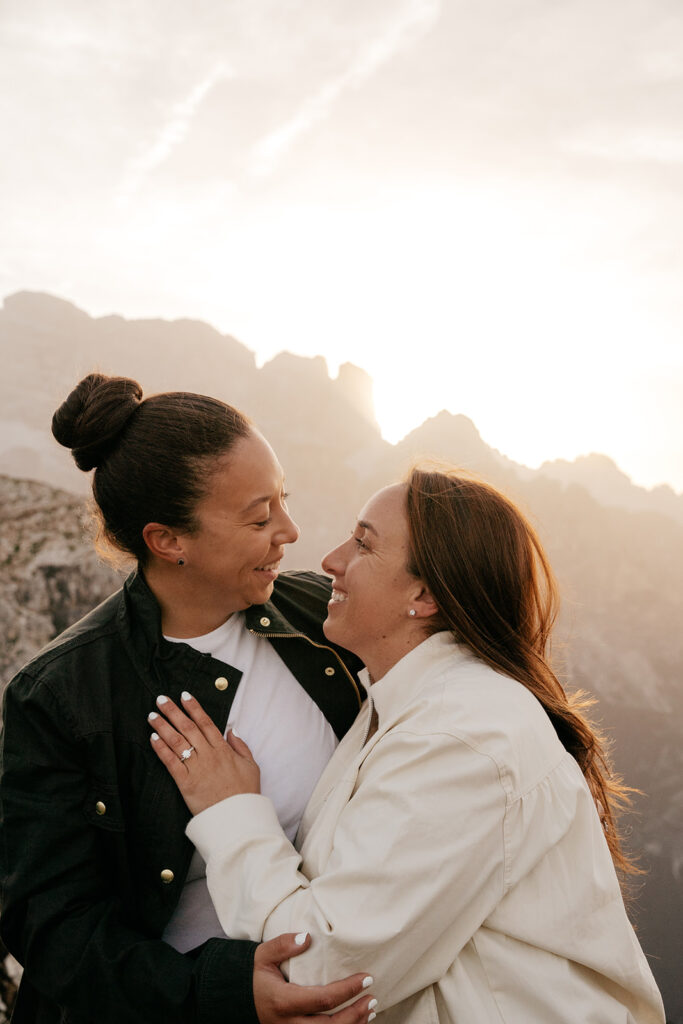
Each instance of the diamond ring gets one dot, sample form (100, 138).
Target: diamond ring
(186, 753)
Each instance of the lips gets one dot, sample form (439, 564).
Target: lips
(271, 569)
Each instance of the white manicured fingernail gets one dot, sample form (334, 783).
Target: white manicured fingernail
(155, 736)
(235, 733)
(162, 700)
(185, 695)
(367, 982)
(302, 936)
(373, 1004)
(151, 716)
(371, 1017)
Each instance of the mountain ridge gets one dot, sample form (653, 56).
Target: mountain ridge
(619, 566)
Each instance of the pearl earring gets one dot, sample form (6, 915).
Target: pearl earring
(412, 612)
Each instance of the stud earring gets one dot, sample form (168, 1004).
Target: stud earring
(181, 561)
(412, 612)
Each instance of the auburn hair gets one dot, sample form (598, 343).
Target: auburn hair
(495, 591)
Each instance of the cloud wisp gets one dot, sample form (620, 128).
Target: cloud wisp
(170, 136)
(414, 20)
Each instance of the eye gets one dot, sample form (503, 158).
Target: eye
(360, 543)
(264, 522)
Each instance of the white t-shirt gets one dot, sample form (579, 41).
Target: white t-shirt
(289, 737)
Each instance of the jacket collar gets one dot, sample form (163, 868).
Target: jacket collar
(141, 602)
(165, 667)
(409, 676)
(265, 619)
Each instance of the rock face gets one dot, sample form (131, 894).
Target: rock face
(49, 573)
(617, 549)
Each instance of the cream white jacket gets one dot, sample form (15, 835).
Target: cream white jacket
(457, 856)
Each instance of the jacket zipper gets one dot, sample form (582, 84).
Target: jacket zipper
(322, 647)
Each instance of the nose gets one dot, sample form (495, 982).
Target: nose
(333, 562)
(289, 532)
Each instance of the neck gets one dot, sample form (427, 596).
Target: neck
(379, 661)
(186, 609)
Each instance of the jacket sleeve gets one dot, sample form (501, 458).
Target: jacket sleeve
(417, 859)
(61, 915)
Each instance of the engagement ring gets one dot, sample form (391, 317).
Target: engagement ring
(186, 753)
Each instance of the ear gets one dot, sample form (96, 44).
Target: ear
(423, 603)
(163, 542)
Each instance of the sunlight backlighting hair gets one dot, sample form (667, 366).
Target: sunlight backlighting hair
(495, 591)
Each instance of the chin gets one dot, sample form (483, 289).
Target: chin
(333, 632)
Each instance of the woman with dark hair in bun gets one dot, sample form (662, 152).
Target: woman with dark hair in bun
(104, 900)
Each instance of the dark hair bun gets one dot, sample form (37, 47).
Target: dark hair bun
(91, 419)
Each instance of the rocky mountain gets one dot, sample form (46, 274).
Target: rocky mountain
(605, 481)
(50, 574)
(617, 549)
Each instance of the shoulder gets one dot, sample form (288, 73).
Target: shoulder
(301, 598)
(490, 713)
(81, 642)
(309, 589)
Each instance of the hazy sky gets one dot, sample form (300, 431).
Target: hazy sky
(479, 203)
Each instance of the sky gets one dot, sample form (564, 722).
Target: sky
(480, 204)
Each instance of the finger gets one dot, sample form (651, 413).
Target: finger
(314, 999)
(276, 951)
(364, 1009)
(211, 732)
(167, 756)
(171, 737)
(238, 745)
(183, 725)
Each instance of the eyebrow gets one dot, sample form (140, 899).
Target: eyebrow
(261, 501)
(367, 526)
(256, 502)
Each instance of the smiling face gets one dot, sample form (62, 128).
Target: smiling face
(373, 592)
(233, 557)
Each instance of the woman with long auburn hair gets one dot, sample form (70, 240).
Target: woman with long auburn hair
(462, 840)
(497, 594)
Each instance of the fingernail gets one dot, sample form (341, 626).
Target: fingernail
(371, 1017)
(235, 733)
(373, 1004)
(367, 982)
(185, 695)
(301, 938)
(151, 716)
(155, 736)
(162, 700)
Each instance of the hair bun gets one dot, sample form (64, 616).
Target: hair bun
(91, 419)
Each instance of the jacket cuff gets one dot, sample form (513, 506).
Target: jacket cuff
(232, 821)
(225, 985)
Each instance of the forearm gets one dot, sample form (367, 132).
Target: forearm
(116, 974)
(402, 889)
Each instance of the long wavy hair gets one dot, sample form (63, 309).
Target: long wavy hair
(496, 593)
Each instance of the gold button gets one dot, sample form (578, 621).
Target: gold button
(265, 621)
(329, 671)
(221, 683)
(167, 876)
(100, 807)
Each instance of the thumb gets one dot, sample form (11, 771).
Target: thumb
(277, 950)
(238, 745)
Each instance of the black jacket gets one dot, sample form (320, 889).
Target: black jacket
(93, 854)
